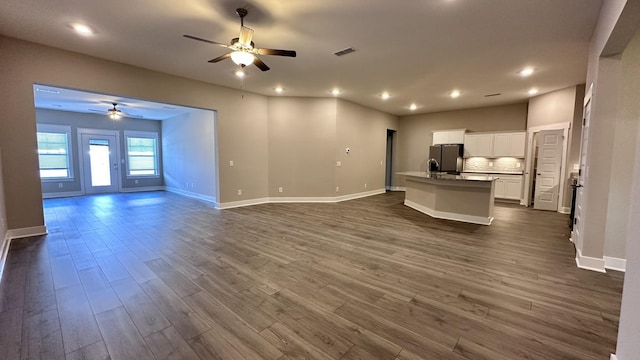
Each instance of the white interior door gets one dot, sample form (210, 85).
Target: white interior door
(548, 170)
(100, 163)
(578, 226)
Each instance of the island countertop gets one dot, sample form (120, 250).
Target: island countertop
(425, 175)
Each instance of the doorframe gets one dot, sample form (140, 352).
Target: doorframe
(528, 179)
(88, 131)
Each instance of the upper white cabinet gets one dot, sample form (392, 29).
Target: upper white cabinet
(495, 144)
(509, 144)
(478, 145)
(448, 137)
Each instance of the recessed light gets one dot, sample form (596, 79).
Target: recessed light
(455, 94)
(335, 92)
(385, 95)
(533, 91)
(526, 71)
(412, 107)
(240, 73)
(82, 29)
(279, 90)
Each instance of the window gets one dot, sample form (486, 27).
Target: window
(54, 152)
(142, 153)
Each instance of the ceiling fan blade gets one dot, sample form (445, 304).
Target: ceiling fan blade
(246, 34)
(205, 40)
(261, 65)
(290, 53)
(220, 58)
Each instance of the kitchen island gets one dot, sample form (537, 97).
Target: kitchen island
(466, 198)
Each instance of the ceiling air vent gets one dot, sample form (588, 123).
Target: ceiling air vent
(344, 51)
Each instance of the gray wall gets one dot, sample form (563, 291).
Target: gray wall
(307, 136)
(189, 153)
(624, 151)
(94, 121)
(302, 140)
(364, 131)
(415, 133)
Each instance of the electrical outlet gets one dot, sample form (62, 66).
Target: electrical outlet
(337, 188)
(365, 185)
(136, 181)
(230, 162)
(517, 165)
(338, 163)
(60, 185)
(280, 189)
(380, 162)
(239, 192)
(490, 163)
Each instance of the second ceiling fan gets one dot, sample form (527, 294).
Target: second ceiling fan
(243, 49)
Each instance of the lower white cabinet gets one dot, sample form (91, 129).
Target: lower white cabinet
(508, 187)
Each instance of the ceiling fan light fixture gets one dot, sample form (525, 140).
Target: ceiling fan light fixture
(113, 113)
(242, 58)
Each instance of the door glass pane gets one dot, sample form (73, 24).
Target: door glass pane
(100, 163)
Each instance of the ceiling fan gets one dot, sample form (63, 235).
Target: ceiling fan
(243, 49)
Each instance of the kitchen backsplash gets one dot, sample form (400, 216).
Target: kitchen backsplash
(503, 165)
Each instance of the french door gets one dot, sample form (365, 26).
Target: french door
(100, 160)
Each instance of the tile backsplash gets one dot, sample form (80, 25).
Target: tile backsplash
(502, 165)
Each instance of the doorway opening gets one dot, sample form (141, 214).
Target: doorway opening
(388, 182)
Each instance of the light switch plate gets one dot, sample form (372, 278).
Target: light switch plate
(338, 163)
(230, 162)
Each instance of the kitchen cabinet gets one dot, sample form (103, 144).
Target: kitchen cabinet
(478, 145)
(508, 187)
(448, 137)
(493, 145)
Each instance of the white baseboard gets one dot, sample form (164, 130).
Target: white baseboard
(589, 263)
(143, 188)
(397, 188)
(616, 264)
(613, 357)
(241, 203)
(13, 234)
(565, 210)
(61, 194)
(449, 216)
(318, 199)
(359, 195)
(190, 194)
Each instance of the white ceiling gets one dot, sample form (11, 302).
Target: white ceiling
(417, 50)
(55, 98)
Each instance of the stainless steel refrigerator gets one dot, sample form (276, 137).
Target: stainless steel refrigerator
(449, 157)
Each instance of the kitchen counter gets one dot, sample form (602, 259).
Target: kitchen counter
(466, 198)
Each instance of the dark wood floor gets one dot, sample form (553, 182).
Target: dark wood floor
(160, 276)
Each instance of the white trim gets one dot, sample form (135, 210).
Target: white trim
(616, 264)
(13, 234)
(613, 357)
(89, 131)
(4, 251)
(359, 195)
(449, 216)
(142, 189)
(53, 195)
(190, 194)
(318, 199)
(398, 188)
(564, 210)
(241, 203)
(589, 263)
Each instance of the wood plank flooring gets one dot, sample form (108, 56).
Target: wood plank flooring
(160, 276)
